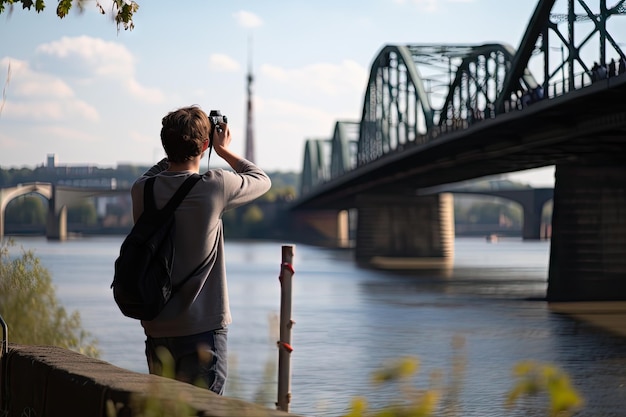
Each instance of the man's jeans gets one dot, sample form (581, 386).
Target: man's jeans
(199, 359)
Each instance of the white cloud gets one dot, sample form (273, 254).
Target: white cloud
(284, 113)
(283, 126)
(146, 94)
(304, 103)
(69, 134)
(329, 79)
(141, 138)
(31, 95)
(295, 104)
(27, 145)
(51, 111)
(42, 87)
(429, 5)
(8, 142)
(223, 63)
(425, 5)
(247, 19)
(94, 59)
(99, 56)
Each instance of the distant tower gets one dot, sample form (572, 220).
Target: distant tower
(250, 120)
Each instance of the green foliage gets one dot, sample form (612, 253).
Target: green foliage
(26, 210)
(63, 8)
(472, 210)
(84, 213)
(279, 194)
(534, 378)
(488, 213)
(401, 369)
(29, 305)
(285, 180)
(159, 401)
(123, 11)
(253, 214)
(414, 402)
(26, 4)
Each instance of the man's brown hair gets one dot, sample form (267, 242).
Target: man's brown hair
(184, 132)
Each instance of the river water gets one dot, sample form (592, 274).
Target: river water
(485, 313)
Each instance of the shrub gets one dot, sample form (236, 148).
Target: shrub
(29, 305)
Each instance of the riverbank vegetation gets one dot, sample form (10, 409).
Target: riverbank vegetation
(29, 305)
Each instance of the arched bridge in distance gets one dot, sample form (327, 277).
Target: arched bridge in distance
(439, 114)
(59, 197)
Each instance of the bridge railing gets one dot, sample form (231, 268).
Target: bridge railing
(555, 89)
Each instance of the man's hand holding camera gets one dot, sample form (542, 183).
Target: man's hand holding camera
(220, 138)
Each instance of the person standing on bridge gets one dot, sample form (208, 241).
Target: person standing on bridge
(193, 325)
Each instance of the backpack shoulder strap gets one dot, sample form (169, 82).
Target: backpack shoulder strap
(148, 195)
(204, 263)
(176, 199)
(182, 191)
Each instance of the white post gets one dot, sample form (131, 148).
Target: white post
(286, 323)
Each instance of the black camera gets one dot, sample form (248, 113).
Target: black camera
(216, 117)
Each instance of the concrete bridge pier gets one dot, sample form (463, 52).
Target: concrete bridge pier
(405, 231)
(329, 228)
(56, 224)
(533, 210)
(588, 247)
(531, 230)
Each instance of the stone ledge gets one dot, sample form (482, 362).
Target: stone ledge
(51, 381)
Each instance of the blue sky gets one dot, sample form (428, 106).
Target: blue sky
(80, 89)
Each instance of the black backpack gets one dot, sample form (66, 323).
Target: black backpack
(142, 283)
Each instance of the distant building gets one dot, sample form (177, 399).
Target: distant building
(106, 183)
(52, 161)
(78, 175)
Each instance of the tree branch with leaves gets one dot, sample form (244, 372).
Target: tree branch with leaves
(122, 10)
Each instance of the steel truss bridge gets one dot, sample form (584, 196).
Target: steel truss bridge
(439, 114)
(427, 107)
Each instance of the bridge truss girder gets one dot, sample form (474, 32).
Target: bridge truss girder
(477, 85)
(416, 91)
(572, 69)
(397, 106)
(343, 148)
(315, 168)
